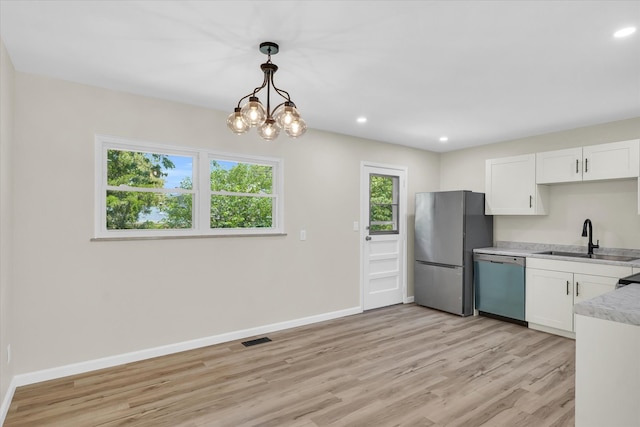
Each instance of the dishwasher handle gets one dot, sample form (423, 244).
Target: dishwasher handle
(500, 259)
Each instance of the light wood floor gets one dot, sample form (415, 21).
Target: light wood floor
(403, 365)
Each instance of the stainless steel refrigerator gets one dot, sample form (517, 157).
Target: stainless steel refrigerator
(448, 226)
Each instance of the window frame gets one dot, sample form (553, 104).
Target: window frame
(395, 202)
(201, 190)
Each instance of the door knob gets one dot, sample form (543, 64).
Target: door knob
(367, 238)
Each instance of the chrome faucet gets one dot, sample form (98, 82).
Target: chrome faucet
(587, 223)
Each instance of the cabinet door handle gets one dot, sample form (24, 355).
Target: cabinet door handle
(586, 165)
(530, 201)
(567, 287)
(577, 288)
(577, 170)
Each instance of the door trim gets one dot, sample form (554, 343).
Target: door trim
(403, 204)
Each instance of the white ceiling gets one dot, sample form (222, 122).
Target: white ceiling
(476, 71)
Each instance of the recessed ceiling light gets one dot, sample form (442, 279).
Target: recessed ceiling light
(444, 138)
(624, 32)
(362, 120)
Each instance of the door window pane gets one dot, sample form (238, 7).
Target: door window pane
(383, 204)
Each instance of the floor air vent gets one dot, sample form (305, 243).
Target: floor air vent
(256, 342)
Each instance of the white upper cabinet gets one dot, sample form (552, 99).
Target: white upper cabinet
(595, 162)
(559, 166)
(610, 161)
(511, 187)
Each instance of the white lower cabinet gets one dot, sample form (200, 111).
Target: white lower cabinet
(553, 287)
(587, 286)
(549, 298)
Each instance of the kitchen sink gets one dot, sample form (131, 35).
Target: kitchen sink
(593, 256)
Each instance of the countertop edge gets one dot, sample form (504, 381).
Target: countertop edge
(621, 305)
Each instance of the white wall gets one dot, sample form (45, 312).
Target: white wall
(76, 300)
(6, 141)
(612, 206)
(71, 300)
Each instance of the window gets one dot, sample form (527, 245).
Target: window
(241, 194)
(383, 204)
(146, 189)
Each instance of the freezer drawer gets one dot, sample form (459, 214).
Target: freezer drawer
(441, 287)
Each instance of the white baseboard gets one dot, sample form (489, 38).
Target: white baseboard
(6, 402)
(120, 359)
(408, 300)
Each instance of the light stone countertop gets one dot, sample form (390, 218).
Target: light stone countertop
(621, 305)
(531, 250)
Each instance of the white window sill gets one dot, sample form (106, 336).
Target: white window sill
(200, 236)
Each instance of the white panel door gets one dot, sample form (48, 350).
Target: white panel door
(549, 298)
(611, 161)
(559, 166)
(384, 211)
(510, 187)
(588, 286)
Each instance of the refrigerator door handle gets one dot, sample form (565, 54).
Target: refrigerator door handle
(435, 264)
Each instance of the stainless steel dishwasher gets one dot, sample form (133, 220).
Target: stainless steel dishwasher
(500, 286)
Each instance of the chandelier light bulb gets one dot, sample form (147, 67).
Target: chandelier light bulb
(297, 128)
(286, 114)
(236, 123)
(253, 112)
(269, 130)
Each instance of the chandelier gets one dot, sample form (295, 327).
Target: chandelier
(269, 122)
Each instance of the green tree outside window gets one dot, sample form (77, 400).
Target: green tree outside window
(383, 204)
(241, 193)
